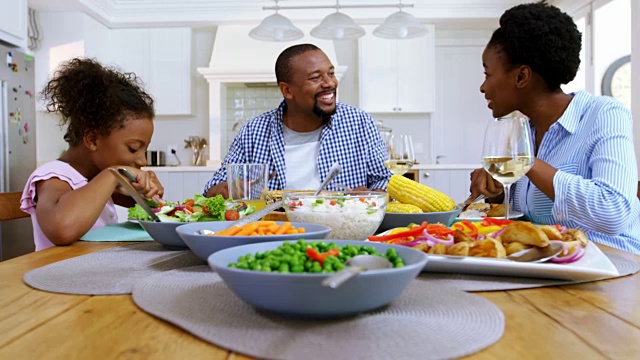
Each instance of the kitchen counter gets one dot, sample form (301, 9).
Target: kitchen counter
(181, 168)
(445, 166)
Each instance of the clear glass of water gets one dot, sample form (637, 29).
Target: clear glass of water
(248, 183)
(401, 154)
(507, 152)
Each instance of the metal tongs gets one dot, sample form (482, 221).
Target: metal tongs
(125, 179)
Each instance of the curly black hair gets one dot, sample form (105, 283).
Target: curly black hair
(94, 98)
(543, 37)
(283, 63)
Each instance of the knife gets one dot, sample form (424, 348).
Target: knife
(125, 178)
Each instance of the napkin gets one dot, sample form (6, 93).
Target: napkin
(125, 231)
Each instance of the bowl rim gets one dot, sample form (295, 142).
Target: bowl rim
(337, 193)
(421, 263)
(184, 231)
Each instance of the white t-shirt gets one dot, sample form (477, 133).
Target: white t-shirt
(301, 159)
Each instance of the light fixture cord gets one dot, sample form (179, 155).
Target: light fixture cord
(337, 5)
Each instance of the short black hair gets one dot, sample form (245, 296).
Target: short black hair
(283, 63)
(543, 37)
(94, 98)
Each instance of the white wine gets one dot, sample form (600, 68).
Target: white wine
(398, 167)
(507, 170)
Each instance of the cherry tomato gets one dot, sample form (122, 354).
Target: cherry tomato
(231, 215)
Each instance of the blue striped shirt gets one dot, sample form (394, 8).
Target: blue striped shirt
(595, 187)
(350, 139)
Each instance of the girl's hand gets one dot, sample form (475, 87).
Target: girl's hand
(147, 184)
(483, 183)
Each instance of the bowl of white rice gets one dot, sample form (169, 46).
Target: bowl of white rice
(353, 215)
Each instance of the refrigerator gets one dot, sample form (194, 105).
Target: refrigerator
(17, 142)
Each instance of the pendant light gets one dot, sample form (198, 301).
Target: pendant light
(337, 26)
(400, 25)
(276, 28)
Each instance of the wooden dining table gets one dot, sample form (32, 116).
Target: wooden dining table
(594, 320)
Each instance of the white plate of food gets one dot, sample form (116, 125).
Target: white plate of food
(593, 265)
(478, 211)
(474, 215)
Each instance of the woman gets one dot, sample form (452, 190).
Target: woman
(584, 175)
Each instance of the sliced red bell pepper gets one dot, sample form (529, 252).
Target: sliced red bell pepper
(321, 257)
(473, 228)
(439, 230)
(416, 230)
(189, 202)
(488, 221)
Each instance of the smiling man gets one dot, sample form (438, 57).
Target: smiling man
(308, 132)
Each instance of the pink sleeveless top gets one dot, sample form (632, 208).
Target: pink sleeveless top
(65, 172)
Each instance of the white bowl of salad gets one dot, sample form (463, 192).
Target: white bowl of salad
(196, 209)
(354, 215)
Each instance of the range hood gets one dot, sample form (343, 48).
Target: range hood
(238, 59)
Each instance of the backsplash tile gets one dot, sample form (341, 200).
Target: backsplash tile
(244, 103)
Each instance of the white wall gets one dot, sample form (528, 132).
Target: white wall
(173, 130)
(68, 35)
(62, 39)
(612, 37)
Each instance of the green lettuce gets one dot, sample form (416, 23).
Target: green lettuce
(138, 213)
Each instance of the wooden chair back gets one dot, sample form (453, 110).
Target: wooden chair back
(638, 189)
(10, 206)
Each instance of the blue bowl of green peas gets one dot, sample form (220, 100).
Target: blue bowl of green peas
(281, 277)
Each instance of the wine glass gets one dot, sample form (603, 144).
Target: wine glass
(508, 152)
(401, 155)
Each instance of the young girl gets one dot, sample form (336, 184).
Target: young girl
(109, 122)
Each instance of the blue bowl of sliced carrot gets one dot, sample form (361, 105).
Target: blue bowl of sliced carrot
(205, 239)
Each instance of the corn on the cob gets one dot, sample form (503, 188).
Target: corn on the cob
(408, 191)
(396, 207)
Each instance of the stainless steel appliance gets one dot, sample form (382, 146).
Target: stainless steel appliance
(155, 158)
(17, 142)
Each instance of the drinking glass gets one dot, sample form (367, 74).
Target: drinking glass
(508, 152)
(248, 183)
(401, 155)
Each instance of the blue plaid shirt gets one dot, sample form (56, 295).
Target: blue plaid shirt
(349, 139)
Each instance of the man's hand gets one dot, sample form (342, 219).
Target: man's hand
(219, 189)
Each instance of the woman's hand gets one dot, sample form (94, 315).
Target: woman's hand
(483, 183)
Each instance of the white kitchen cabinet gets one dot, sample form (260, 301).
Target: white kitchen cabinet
(181, 185)
(454, 183)
(14, 22)
(162, 59)
(397, 75)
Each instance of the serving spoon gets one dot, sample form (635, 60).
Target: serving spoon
(355, 265)
(537, 254)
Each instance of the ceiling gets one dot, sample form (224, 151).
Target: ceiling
(122, 13)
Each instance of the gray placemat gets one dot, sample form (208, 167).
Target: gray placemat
(424, 322)
(469, 282)
(108, 272)
(124, 231)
